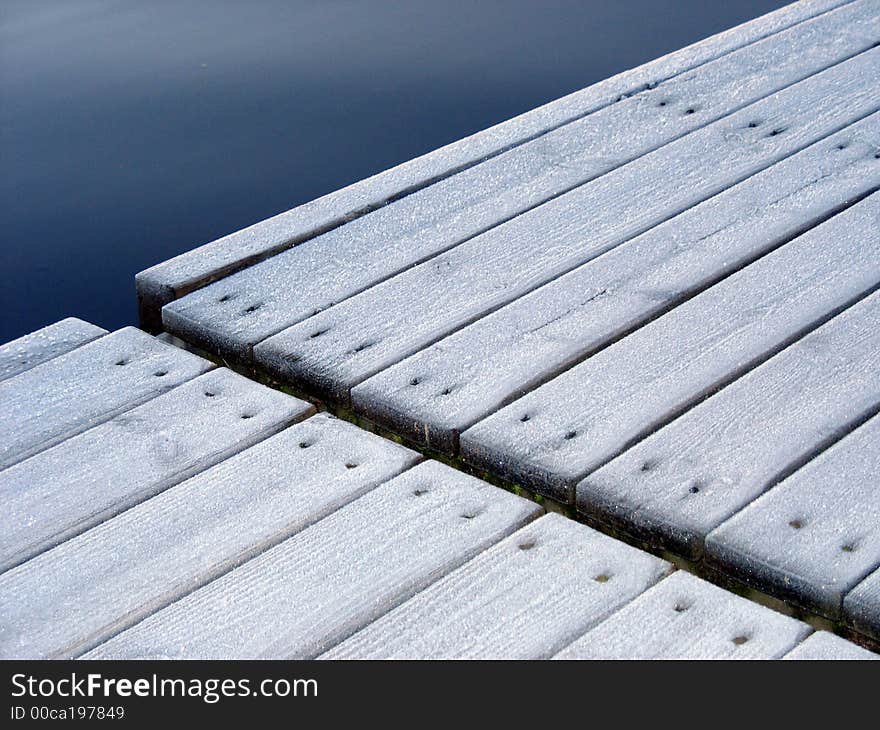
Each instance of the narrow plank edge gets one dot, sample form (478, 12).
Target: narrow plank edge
(45, 344)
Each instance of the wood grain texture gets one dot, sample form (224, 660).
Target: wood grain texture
(556, 435)
(320, 586)
(92, 383)
(684, 617)
(813, 537)
(681, 482)
(524, 598)
(88, 478)
(477, 370)
(80, 593)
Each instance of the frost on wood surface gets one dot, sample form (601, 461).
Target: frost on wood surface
(684, 480)
(44, 344)
(522, 599)
(230, 316)
(563, 430)
(684, 617)
(67, 489)
(343, 345)
(478, 369)
(86, 386)
(320, 586)
(815, 535)
(824, 645)
(171, 279)
(82, 592)
(861, 607)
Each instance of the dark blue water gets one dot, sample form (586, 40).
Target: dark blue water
(131, 131)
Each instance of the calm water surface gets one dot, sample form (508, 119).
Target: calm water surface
(131, 131)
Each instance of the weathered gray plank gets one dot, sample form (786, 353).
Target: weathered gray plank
(814, 536)
(677, 485)
(477, 370)
(86, 479)
(171, 279)
(341, 346)
(71, 598)
(322, 585)
(551, 438)
(684, 617)
(73, 392)
(231, 316)
(824, 645)
(524, 598)
(44, 344)
(861, 607)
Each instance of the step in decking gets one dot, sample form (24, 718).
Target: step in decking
(654, 301)
(213, 521)
(224, 519)
(655, 306)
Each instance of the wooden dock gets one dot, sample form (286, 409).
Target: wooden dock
(224, 519)
(654, 303)
(219, 518)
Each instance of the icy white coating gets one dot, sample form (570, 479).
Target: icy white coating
(78, 390)
(824, 645)
(684, 617)
(320, 586)
(524, 598)
(44, 344)
(71, 598)
(88, 478)
(557, 434)
(861, 607)
(171, 279)
(476, 370)
(343, 345)
(814, 536)
(680, 483)
(232, 315)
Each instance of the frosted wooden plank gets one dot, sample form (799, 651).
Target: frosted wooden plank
(557, 434)
(824, 645)
(684, 617)
(174, 278)
(861, 607)
(476, 370)
(677, 485)
(814, 536)
(73, 486)
(339, 347)
(322, 585)
(229, 317)
(73, 392)
(44, 344)
(524, 598)
(80, 593)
